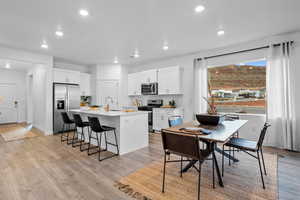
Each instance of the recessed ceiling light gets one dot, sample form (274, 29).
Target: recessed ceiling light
(165, 47)
(221, 32)
(83, 12)
(136, 54)
(116, 60)
(44, 45)
(59, 33)
(7, 66)
(199, 8)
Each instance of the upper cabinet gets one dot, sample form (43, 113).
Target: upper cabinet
(85, 84)
(149, 76)
(169, 80)
(134, 84)
(66, 76)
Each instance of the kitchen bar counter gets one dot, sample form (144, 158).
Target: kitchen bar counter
(131, 128)
(109, 113)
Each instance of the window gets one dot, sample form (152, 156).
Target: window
(239, 88)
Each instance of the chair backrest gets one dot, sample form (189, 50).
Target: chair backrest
(262, 135)
(175, 121)
(184, 145)
(95, 124)
(66, 118)
(78, 120)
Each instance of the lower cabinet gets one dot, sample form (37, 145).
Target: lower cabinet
(161, 117)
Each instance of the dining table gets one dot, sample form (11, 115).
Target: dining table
(220, 133)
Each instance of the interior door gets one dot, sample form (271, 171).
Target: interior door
(8, 103)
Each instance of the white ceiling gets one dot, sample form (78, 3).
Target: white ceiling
(118, 27)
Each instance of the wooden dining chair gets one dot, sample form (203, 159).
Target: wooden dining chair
(248, 146)
(184, 146)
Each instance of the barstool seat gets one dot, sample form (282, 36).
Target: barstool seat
(97, 128)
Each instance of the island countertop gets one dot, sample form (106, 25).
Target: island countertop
(109, 113)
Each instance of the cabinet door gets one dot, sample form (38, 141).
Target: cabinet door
(149, 76)
(169, 80)
(66, 76)
(134, 84)
(85, 85)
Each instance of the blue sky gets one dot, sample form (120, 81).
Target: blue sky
(260, 63)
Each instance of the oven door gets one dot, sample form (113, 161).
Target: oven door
(150, 89)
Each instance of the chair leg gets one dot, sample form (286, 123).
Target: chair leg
(261, 174)
(62, 133)
(263, 161)
(82, 139)
(223, 161)
(75, 133)
(105, 141)
(213, 169)
(89, 144)
(118, 152)
(180, 166)
(99, 146)
(199, 179)
(229, 160)
(164, 174)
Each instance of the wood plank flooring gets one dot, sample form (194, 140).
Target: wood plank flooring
(43, 168)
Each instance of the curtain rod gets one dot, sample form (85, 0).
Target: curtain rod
(242, 51)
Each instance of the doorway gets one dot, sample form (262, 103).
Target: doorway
(8, 103)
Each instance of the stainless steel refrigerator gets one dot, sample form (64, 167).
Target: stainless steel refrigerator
(65, 97)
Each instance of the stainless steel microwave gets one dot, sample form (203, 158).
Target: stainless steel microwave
(149, 88)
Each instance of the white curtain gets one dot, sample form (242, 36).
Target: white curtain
(200, 86)
(281, 97)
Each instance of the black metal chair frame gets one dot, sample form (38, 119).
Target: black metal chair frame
(259, 153)
(79, 124)
(209, 150)
(232, 117)
(66, 123)
(102, 131)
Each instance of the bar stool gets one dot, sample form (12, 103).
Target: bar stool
(79, 124)
(67, 122)
(96, 127)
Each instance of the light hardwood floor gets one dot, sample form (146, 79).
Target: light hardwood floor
(44, 168)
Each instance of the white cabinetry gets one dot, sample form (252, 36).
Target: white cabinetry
(134, 84)
(149, 76)
(66, 76)
(169, 80)
(85, 84)
(161, 117)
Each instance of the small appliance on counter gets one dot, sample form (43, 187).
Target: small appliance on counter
(149, 88)
(150, 105)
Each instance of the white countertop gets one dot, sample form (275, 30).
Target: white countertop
(109, 113)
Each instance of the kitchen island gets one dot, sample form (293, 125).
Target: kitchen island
(131, 128)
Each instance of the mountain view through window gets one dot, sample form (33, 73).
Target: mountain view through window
(239, 88)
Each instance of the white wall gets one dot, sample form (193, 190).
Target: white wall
(17, 78)
(42, 97)
(70, 66)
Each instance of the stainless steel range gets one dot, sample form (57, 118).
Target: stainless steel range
(150, 105)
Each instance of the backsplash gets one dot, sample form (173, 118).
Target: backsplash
(166, 98)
